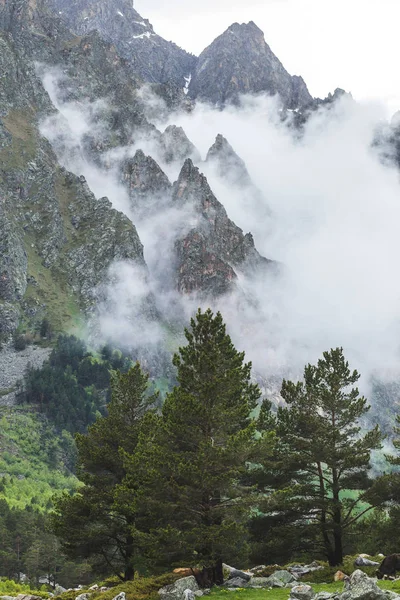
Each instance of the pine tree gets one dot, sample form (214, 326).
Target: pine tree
(321, 452)
(192, 458)
(91, 524)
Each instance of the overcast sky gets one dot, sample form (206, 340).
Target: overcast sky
(353, 44)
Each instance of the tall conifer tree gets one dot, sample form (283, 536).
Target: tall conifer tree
(322, 455)
(91, 523)
(191, 460)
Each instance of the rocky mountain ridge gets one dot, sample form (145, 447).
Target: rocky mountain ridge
(237, 62)
(58, 240)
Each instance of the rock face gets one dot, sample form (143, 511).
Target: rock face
(227, 163)
(147, 184)
(57, 240)
(238, 62)
(176, 145)
(151, 57)
(209, 254)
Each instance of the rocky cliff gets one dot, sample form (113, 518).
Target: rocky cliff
(240, 62)
(151, 57)
(212, 253)
(57, 240)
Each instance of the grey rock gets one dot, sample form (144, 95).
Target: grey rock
(276, 583)
(323, 596)
(300, 570)
(361, 587)
(120, 596)
(189, 595)
(59, 589)
(260, 582)
(283, 576)
(84, 596)
(361, 561)
(236, 582)
(234, 573)
(302, 592)
(176, 590)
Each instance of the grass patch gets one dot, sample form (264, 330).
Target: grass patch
(62, 307)
(271, 593)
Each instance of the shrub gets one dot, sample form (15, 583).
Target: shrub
(20, 342)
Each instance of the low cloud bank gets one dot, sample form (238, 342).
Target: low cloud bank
(327, 208)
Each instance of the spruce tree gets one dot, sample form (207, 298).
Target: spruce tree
(91, 523)
(191, 460)
(321, 454)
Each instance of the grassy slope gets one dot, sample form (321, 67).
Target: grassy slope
(31, 460)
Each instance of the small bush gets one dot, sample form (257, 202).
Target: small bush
(20, 342)
(11, 587)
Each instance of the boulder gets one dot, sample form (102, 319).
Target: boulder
(84, 596)
(120, 596)
(302, 592)
(361, 561)
(237, 582)
(323, 596)
(232, 573)
(59, 589)
(176, 590)
(361, 587)
(260, 582)
(283, 576)
(189, 595)
(275, 583)
(300, 570)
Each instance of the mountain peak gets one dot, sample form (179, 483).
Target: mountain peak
(227, 163)
(249, 28)
(240, 62)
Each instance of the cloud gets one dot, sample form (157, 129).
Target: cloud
(334, 225)
(327, 209)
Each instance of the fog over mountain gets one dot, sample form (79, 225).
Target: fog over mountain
(230, 187)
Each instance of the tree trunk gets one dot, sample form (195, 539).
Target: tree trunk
(337, 521)
(129, 572)
(210, 576)
(330, 553)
